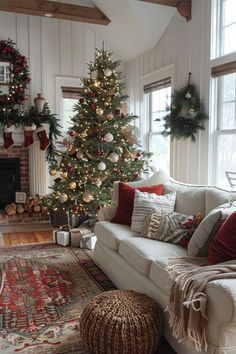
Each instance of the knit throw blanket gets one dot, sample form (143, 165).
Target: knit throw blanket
(187, 301)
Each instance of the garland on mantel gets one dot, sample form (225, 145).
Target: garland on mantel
(185, 114)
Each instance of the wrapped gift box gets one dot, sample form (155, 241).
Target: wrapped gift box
(61, 237)
(77, 233)
(88, 241)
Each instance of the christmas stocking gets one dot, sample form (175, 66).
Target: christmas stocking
(28, 135)
(7, 137)
(42, 135)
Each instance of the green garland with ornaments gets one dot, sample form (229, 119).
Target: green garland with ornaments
(186, 114)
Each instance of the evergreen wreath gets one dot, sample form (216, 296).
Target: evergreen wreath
(185, 114)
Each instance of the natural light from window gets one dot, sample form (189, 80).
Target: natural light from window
(158, 144)
(228, 27)
(68, 112)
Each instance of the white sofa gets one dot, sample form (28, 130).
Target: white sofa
(134, 262)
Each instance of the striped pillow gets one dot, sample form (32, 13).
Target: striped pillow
(145, 202)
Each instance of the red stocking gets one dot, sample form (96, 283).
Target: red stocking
(42, 135)
(7, 137)
(28, 135)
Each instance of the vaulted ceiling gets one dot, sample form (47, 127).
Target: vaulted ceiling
(129, 27)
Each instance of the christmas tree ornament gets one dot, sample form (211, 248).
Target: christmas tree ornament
(98, 182)
(107, 72)
(75, 208)
(63, 197)
(72, 133)
(93, 106)
(72, 185)
(39, 102)
(52, 171)
(110, 116)
(28, 135)
(96, 130)
(124, 108)
(188, 95)
(117, 112)
(99, 111)
(94, 75)
(108, 137)
(87, 197)
(7, 137)
(102, 166)
(81, 100)
(42, 136)
(79, 155)
(113, 157)
(101, 139)
(64, 174)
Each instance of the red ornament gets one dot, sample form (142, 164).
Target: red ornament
(75, 208)
(95, 130)
(100, 139)
(81, 100)
(136, 159)
(70, 169)
(138, 154)
(72, 133)
(91, 94)
(117, 112)
(93, 107)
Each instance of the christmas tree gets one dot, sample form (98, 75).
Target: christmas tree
(101, 145)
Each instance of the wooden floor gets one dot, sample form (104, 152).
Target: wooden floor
(20, 238)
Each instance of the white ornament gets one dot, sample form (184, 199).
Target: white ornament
(113, 157)
(87, 197)
(98, 182)
(63, 197)
(110, 116)
(93, 75)
(102, 166)
(108, 137)
(107, 72)
(99, 111)
(79, 155)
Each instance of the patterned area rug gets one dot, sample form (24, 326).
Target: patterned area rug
(44, 290)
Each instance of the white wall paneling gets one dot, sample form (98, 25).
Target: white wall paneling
(187, 46)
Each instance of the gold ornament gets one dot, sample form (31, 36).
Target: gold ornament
(63, 197)
(72, 185)
(64, 174)
(99, 111)
(110, 116)
(53, 171)
(87, 197)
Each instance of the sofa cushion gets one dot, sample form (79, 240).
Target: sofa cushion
(190, 199)
(201, 239)
(140, 252)
(223, 245)
(126, 201)
(145, 202)
(216, 197)
(157, 178)
(112, 234)
(159, 275)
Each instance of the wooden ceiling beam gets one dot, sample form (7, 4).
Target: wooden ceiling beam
(183, 6)
(63, 11)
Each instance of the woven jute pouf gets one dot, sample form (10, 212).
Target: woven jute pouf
(121, 322)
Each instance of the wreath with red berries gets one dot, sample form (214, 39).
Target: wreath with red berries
(185, 115)
(19, 78)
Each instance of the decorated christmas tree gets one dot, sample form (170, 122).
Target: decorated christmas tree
(101, 145)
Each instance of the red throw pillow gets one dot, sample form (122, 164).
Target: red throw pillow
(126, 196)
(223, 245)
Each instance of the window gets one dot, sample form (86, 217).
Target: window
(159, 95)
(224, 27)
(70, 98)
(224, 89)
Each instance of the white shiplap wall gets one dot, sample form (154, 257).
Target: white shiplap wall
(54, 48)
(187, 47)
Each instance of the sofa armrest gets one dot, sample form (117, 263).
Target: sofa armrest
(107, 213)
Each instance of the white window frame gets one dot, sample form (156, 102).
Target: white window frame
(62, 81)
(161, 74)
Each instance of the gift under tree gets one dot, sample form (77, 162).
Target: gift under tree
(101, 145)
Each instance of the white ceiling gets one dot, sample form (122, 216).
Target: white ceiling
(135, 26)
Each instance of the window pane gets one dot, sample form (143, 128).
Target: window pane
(68, 113)
(229, 43)
(229, 11)
(160, 146)
(229, 87)
(228, 114)
(160, 99)
(226, 158)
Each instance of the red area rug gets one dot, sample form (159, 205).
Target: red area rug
(44, 290)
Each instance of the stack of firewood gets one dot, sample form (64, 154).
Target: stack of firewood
(34, 204)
